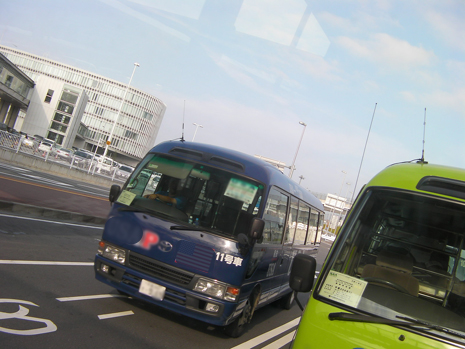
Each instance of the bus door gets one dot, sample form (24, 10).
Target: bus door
(267, 255)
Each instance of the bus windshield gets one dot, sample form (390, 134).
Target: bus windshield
(193, 195)
(402, 257)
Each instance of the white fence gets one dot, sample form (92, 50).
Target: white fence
(19, 144)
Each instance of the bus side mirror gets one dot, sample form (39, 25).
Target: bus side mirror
(302, 273)
(115, 190)
(256, 229)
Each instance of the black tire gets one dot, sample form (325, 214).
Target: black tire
(237, 327)
(287, 301)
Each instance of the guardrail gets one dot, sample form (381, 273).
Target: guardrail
(21, 145)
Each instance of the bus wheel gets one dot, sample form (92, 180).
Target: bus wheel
(287, 301)
(237, 327)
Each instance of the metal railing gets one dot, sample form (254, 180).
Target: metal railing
(19, 143)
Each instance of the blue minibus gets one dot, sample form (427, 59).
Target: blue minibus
(207, 232)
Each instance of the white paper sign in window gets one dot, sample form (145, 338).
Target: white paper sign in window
(241, 190)
(343, 288)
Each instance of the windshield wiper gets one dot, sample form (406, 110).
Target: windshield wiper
(182, 227)
(134, 209)
(431, 326)
(141, 210)
(365, 318)
(413, 323)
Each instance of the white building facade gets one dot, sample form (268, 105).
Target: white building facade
(77, 108)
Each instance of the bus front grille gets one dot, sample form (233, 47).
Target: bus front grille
(159, 270)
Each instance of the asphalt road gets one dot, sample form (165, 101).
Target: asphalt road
(24, 186)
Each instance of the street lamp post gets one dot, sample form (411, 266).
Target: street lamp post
(297, 151)
(196, 128)
(110, 136)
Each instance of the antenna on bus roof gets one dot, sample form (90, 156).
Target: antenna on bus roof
(183, 113)
(361, 161)
(422, 160)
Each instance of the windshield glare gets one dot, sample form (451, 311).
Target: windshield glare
(402, 255)
(189, 193)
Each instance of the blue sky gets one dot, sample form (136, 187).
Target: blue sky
(249, 70)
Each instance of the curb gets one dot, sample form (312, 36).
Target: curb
(43, 212)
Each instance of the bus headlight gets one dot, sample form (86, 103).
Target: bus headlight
(217, 290)
(112, 253)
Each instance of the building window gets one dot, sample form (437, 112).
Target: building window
(48, 97)
(62, 118)
(57, 138)
(65, 107)
(69, 97)
(130, 134)
(98, 111)
(8, 81)
(58, 127)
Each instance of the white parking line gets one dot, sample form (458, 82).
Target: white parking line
(12, 261)
(268, 335)
(281, 341)
(9, 167)
(112, 315)
(47, 180)
(85, 298)
(54, 222)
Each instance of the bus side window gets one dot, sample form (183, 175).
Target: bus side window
(275, 217)
(292, 221)
(313, 227)
(302, 224)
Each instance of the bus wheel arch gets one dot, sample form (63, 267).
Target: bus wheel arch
(237, 327)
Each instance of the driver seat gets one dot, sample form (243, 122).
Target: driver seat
(395, 268)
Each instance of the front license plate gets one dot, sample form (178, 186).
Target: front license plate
(152, 289)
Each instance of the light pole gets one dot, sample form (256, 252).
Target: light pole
(297, 151)
(196, 128)
(110, 136)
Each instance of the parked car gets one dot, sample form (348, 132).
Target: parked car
(28, 142)
(81, 159)
(105, 164)
(64, 153)
(45, 146)
(124, 171)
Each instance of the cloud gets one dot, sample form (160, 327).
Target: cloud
(408, 96)
(191, 9)
(454, 100)
(388, 52)
(449, 26)
(287, 23)
(276, 21)
(144, 18)
(359, 22)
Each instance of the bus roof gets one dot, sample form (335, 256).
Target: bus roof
(423, 177)
(238, 162)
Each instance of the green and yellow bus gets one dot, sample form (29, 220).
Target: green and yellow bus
(395, 276)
